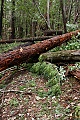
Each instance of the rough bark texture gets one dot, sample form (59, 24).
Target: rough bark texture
(25, 54)
(61, 56)
(1, 16)
(63, 15)
(13, 20)
(32, 39)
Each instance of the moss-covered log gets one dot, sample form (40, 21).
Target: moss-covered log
(25, 54)
(61, 56)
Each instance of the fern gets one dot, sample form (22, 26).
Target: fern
(50, 72)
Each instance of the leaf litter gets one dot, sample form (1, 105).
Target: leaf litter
(21, 99)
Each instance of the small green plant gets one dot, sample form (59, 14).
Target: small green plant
(71, 27)
(22, 88)
(6, 47)
(50, 72)
(1, 75)
(77, 112)
(71, 45)
(2, 85)
(76, 66)
(54, 90)
(41, 92)
(14, 102)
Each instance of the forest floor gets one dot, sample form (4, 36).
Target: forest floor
(20, 100)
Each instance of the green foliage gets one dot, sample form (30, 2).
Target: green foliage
(1, 75)
(14, 102)
(31, 83)
(0, 37)
(41, 93)
(73, 44)
(51, 73)
(28, 66)
(26, 11)
(71, 27)
(75, 66)
(54, 90)
(2, 85)
(6, 47)
(22, 88)
(77, 112)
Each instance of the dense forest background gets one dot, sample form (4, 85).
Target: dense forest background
(23, 18)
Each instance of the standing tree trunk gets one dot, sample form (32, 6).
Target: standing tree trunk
(63, 15)
(77, 11)
(20, 32)
(70, 10)
(13, 20)
(34, 28)
(1, 17)
(48, 18)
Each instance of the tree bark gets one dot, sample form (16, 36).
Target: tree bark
(31, 39)
(77, 11)
(13, 20)
(1, 16)
(61, 56)
(48, 16)
(63, 15)
(25, 54)
(70, 10)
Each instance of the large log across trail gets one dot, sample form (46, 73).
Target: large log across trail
(61, 56)
(31, 39)
(25, 54)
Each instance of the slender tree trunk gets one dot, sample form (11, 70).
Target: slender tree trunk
(48, 17)
(37, 6)
(70, 9)
(20, 31)
(1, 16)
(63, 15)
(13, 20)
(34, 28)
(77, 11)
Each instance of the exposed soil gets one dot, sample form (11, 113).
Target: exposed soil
(20, 99)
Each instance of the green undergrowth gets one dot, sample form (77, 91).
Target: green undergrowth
(55, 76)
(51, 74)
(73, 44)
(6, 47)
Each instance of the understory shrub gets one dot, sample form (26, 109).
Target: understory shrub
(51, 73)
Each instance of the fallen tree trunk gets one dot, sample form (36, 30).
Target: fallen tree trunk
(31, 39)
(53, 32)
(25, 54)
(61, 56)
